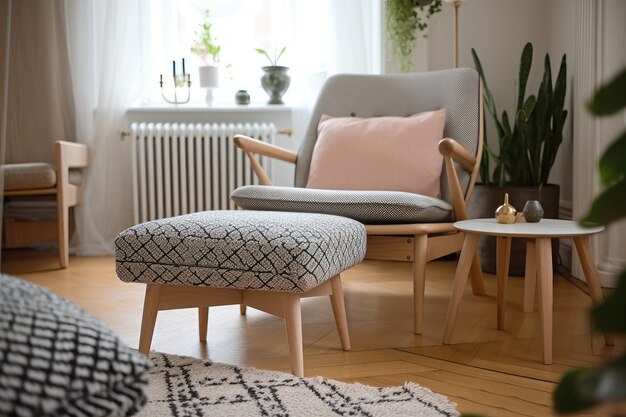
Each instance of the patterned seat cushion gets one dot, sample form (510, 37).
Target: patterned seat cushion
(370, 207)
(247, 250)
(57, 360)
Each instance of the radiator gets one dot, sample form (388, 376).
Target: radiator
(184, 168)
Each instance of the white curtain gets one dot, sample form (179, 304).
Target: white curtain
(106, 40)
(5, 42)
(348, 41)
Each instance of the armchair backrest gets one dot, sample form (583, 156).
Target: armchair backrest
(456, 90)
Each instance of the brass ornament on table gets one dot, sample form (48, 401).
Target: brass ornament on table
(520, 218)
(506, 213)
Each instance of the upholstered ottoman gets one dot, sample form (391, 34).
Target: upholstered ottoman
(266, 260)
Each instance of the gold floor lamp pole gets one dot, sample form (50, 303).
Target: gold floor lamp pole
(456, 4)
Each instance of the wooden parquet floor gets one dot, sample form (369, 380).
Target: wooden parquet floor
(498, 373)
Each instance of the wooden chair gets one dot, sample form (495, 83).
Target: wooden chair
(460, 93)
(67, 155)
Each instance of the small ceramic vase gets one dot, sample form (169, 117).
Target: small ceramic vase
(533, 212)
(506, 213)
(242, 97)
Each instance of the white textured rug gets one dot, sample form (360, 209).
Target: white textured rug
(184, 386)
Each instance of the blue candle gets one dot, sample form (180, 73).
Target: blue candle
(183, 67)
(174, 68)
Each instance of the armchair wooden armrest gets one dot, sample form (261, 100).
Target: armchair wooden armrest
(68, 155)
(451, 148)
(452, 152)
(253, 146)
(248, 144)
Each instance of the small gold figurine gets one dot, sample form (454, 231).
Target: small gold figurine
(506, 213)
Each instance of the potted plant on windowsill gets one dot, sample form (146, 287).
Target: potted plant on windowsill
(206, 47)
(528, 146)
(275, 80)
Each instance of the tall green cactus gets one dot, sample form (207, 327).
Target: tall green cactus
(527, 149)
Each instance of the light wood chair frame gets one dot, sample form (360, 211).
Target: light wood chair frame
(418, 243)
(67, 155)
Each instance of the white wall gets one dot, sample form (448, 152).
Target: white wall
(560, 40)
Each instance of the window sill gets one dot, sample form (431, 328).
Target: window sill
(220, 112)
(199, 107)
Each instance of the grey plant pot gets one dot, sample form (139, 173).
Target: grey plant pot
(275, 81)
(485, 200)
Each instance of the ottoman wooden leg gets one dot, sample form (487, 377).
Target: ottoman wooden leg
(242, 309)
(150, 310)
(339, 311)
(293, 321)
(203, 322)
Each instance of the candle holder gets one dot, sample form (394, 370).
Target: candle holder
(180, 81)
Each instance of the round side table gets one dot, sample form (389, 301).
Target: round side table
(538, 267)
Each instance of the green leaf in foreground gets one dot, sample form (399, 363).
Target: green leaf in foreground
(608, 207)
(583, 388)
(612, 165)
(611, 97)
(609, 316)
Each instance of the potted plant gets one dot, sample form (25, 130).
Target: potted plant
(528, 146)
(275, 80)
(403, 19)
(206, 47)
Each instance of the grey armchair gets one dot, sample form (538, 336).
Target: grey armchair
(401, 226)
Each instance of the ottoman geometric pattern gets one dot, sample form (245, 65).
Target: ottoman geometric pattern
(274, 251)
(265, 260)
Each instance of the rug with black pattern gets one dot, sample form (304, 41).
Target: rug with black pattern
(184, 386)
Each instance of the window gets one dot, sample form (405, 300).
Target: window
(307, 28)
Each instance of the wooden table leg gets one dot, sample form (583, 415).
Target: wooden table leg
(591, 274)
(460, 279)
(503, 255)
(476, 275)
(544, 273)
(530, 278)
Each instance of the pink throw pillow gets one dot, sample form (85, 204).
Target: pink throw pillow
(380, 153)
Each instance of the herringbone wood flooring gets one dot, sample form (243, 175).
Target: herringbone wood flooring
(498, 373)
